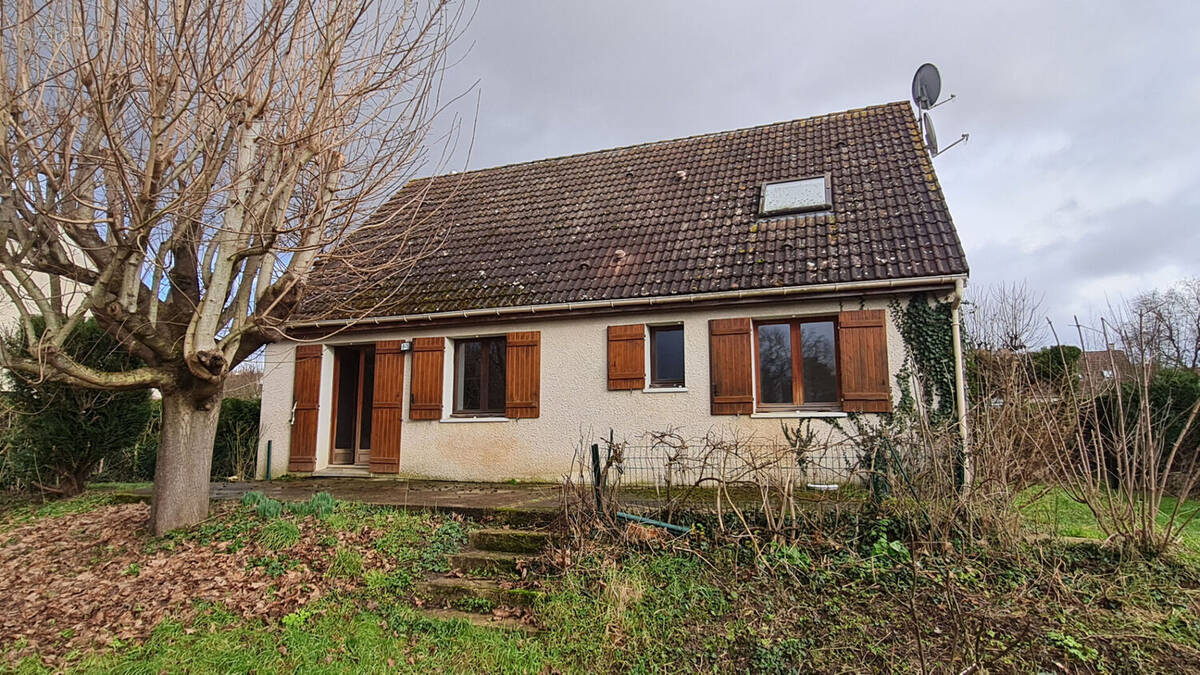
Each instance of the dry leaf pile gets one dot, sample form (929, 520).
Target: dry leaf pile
(83, 581)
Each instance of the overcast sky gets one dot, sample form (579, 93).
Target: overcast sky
(1082, 173)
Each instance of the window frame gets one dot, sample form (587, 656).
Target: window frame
(502, 341)
(653, 381)
(784, 211)
(797, 342)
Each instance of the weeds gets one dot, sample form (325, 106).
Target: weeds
(279, 534)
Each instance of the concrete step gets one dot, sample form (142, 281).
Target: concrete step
(485, 562)
(480, 620)
(466, 594)
(509, 541)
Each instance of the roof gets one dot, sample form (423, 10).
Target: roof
(659, 219)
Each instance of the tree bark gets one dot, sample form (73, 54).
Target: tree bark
(181, 472)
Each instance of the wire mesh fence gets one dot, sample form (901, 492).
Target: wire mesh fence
(667, 472)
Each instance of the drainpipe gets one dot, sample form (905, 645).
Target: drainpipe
(960, 385)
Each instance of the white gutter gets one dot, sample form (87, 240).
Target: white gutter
(960, 385)
(848, 287)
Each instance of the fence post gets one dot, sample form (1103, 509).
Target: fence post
(596, 490)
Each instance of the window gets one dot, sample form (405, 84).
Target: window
(353, 397)
(796, 196)
(479, 376)
(797, 364)
(666, 356)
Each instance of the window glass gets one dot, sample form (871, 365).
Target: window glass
(368, 399)
(469, 374)
(820, 363)
(495, 379)
(775, 362)
(479, 367)
(347, 397)
(667, 359)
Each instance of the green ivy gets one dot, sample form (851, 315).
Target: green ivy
(926, 325)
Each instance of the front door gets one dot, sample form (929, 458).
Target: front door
(354, 387)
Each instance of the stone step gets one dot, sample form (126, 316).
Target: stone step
(465, 593)
(509, 540)
(485, 562)
(480, 620)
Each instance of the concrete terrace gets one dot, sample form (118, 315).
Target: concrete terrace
(516, 502)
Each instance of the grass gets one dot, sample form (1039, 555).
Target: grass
(851, 606)
(1055, 512)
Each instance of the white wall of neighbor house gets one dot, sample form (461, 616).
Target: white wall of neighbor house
(575, 401)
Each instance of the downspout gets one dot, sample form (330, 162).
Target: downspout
(960, 386)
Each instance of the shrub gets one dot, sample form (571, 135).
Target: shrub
(234, 448)
(61, 434)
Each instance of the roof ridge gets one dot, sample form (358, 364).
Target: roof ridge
(841, 113)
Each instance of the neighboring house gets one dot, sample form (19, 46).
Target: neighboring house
(720, 283)
(1103, 369)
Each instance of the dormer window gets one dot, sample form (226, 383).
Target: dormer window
(796, 196)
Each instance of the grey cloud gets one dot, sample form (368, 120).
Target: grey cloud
(1082, 168)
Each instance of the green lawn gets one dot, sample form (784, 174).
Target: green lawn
(1056, 513)
(851, 599)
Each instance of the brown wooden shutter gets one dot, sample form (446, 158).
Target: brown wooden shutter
(731, 361)
(862, 361)
(306, 397)
(627, 357)
(425, 401)
(523, 374)
(387, 407)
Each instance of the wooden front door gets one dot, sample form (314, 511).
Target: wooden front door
(353, 393)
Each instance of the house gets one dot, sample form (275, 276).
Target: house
(1103, 369)
(716, 282)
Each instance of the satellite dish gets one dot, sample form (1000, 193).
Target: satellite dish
(926, 86)
(930, 135)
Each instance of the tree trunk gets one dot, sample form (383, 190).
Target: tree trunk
(181, 472)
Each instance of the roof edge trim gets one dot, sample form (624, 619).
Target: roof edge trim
(843, 287)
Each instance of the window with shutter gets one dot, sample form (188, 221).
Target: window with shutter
(862, 349)
(425, 388)
(523, 374)
(730, 363)
(387, 406)
(306, 391)
(796, 364)
(626, 357)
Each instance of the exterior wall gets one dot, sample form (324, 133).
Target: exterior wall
(575, 401)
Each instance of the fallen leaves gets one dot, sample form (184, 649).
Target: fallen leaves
(68, 588)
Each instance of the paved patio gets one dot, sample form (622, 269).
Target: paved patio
(518, 502)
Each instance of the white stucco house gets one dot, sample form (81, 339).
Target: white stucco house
(484, 320)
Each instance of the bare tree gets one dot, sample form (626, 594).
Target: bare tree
(1164, 325)
(1005, 317)
(175, 168)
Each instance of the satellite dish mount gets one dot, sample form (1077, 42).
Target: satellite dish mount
(926, 89)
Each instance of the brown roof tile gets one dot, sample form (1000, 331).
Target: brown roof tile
(658, 219)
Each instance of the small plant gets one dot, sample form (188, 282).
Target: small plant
(474, 604)
(1072, 646)
(133, 570)
(347, 563)
(252, 498)
(268, 509)
(279, 534)
(298, 618)
(319, 505)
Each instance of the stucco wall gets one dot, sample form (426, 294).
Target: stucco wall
(575, 401)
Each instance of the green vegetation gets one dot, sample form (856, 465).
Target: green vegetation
(1052, 511)
(878, 601)
(60, 434)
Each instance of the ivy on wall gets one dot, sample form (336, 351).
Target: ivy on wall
(926, 326)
